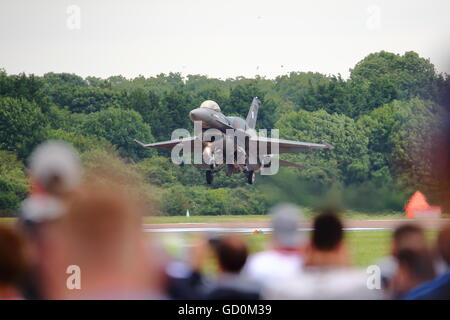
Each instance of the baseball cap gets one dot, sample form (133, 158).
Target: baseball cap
(56, 167)
(286, 218)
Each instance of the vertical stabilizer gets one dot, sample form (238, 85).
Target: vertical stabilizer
(253, 113)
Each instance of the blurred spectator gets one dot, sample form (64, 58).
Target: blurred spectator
(184, 277)
(13, 263)
(230, 284)
(326, 274)
(101, 234)
(188, 281)
(285, 258)
(55, 173)
(439, 288)
(414, 268)
(409, 236)
(405, 237)
(55, 168)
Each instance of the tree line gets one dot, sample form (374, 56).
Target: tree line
(381, 121)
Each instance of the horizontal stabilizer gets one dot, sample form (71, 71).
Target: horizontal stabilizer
(290, 164)
(253, 113)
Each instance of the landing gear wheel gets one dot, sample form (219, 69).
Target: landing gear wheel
(229, 171)
(209, 177)
(251, 177)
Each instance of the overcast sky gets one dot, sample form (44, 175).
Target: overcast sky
(225, 38)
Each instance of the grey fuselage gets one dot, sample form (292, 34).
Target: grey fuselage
(217, 120)
(211, 119)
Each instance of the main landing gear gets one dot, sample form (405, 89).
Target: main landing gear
(251, 176)
(209, 177)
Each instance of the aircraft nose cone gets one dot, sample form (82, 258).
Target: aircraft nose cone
(194, 115)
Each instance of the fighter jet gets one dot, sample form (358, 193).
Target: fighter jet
(250, 153)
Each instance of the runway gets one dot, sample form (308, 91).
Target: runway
(237, 230)
(264, 227)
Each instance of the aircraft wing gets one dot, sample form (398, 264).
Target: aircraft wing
(287, 146)
(167, 144)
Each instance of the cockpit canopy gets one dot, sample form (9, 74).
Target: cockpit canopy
(210, 105)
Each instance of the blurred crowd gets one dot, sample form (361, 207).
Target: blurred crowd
(81, 238)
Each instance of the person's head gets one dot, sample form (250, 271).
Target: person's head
(102, 235)
(55, 172)
(443, 244)
(13, 262)
(409, 236)
(327, 234)
(285, 223)
(55, 168)
(414, 268)
(231, 253)
(327, 241)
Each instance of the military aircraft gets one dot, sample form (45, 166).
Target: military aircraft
(238, 136)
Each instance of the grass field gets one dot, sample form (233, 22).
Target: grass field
(4, 220)
(365, 247)
(259, 218)
(308, 215)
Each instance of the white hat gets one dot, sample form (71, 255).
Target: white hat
(56, 159)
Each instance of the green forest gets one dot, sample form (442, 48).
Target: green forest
(379, 120)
